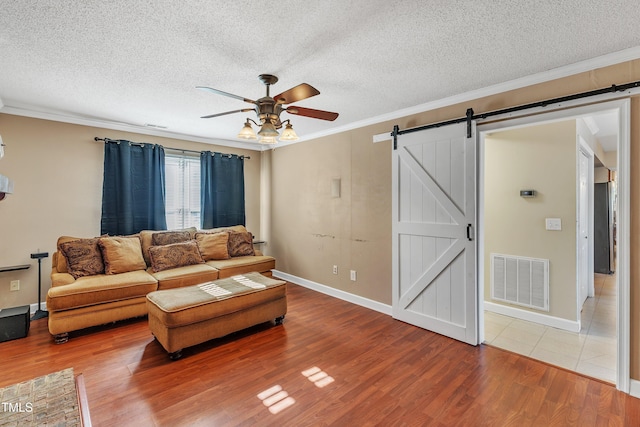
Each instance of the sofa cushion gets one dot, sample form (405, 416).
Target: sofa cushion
(174, 255)
(83, 257)
(242, 265)
(169, 237)
(101, 288)
(184, 276)
(121, 254)
(213, 245)
(146, 237)
(240, 244)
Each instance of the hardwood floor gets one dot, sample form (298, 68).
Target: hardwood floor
(370, 370)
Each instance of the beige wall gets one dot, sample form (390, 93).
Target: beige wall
(540, 158)
(302, 223)
(57, 171)
(312, 231)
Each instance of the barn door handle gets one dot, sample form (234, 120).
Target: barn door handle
(469, 232)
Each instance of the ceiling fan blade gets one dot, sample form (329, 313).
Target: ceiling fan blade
(244, 110)
(230, 95)
(297, 93)
(310, 112)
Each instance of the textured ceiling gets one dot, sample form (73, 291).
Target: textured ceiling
(138, 63)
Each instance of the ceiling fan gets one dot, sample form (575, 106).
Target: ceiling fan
(268, 110)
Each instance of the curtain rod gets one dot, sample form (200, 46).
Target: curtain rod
(107, 140)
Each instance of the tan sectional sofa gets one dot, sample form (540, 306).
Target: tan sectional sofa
(105, 279)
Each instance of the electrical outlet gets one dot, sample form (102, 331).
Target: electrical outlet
(335, 269)
(15, 285)
(353, 275)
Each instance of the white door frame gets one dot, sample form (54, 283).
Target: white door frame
(583, 147)
(622, 107)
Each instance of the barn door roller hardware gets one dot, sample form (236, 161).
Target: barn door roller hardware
(470, 116)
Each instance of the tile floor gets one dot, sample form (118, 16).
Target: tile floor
(591, 352)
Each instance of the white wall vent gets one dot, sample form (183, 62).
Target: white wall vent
(521, 281)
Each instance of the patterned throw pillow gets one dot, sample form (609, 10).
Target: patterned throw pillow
(61, 265)
(240, 244)
(121, 254)
(174, 255)
(169, 237)
(83, 257)
(213, 245)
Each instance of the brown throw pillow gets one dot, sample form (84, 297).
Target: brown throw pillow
(121, 254)
(240, 244)
(174, 255)
(169, 237)
(83, 257)
(61, 265)
(213, 245)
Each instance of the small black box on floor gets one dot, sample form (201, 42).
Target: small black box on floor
(14, 323)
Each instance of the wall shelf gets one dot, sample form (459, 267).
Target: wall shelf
(15, 267)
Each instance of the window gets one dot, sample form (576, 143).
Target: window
(182, 185)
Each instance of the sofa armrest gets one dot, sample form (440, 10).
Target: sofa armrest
(54, 262)
(59, 279)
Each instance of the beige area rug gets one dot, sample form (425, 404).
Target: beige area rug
(50, 400)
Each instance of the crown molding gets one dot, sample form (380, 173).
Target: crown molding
(124, 127)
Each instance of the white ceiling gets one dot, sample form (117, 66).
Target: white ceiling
(123, 64)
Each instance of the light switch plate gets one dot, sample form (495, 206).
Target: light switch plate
(554, 224)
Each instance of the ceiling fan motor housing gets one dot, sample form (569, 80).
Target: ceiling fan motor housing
(268, 109)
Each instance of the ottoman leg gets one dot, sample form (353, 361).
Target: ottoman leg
(279, 320)
(175, 355)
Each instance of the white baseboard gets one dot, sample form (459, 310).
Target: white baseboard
(634, 388)
(34, 307)
(337, 293)
(529, 316)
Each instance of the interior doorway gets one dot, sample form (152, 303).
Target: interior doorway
(576, 225)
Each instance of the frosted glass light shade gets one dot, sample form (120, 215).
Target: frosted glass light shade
(247, 132)
(288, 134)
(268, 129)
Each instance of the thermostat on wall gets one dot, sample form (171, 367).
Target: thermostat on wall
(527, 193)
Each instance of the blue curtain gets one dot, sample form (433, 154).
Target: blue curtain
(133, 192)
(221, 190)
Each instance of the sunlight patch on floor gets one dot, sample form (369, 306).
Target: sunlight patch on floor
(276, 399)
(318, 377)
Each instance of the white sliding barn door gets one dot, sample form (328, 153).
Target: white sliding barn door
(434, 217)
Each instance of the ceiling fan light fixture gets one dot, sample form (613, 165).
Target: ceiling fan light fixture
(268, 130)
(268, 110)
(247, 131)
(267, 140)
(288, 134)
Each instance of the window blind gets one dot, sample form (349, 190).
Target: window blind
(182, 186)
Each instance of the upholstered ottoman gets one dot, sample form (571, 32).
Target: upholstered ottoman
(184, 317)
